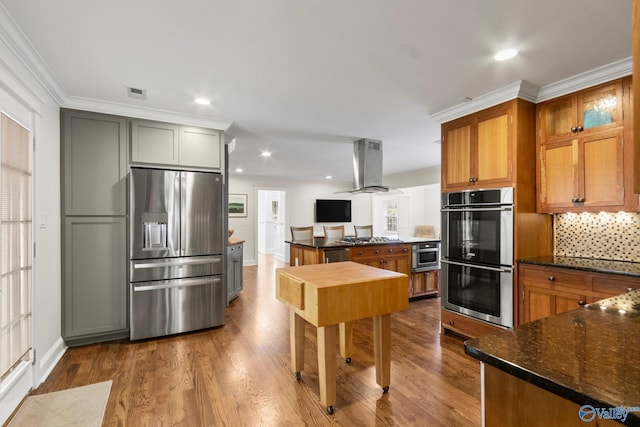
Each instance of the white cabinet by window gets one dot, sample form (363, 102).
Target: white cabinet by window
(169, 144)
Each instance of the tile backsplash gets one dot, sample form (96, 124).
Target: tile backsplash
(601, 235)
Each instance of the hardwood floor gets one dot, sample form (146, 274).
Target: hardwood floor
(239, 374)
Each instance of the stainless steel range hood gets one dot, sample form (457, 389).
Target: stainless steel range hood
(367, 167)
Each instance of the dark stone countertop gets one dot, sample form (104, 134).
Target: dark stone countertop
(322, 243)
(625, 268)
(590, 355)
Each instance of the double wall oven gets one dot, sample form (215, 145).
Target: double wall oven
(477, 254)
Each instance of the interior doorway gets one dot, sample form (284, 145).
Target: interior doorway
(271, 222)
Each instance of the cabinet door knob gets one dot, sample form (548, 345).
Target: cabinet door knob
(377, 251)
(470, 179)
(581, 303)
(574, 200)
(574, 129)
(581, 199)
(580, 128)
(551, 278)
(451, 322)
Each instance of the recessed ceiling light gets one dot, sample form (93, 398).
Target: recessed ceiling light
(202, 101)
(328, 177)
(265, 154)
(503, 55)
(239, 170)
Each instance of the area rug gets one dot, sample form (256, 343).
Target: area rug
(80, 406)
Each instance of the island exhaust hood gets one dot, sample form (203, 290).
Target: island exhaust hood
(367, 167)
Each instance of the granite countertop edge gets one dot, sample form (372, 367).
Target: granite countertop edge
(541, 381)
(321, 243)
(621, 268)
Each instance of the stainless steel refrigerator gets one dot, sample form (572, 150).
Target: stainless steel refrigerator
(176, 246)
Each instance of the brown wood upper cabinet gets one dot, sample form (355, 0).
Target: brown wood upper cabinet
(580, 142)
(479, 150)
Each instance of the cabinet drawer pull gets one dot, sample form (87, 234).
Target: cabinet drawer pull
(551, 279)
(451, 322)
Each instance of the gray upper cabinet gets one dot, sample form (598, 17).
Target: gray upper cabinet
(200, 147)
(95, 163)
(154, 142)
(159, 143)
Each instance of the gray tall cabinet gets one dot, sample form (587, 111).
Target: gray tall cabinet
(97, 151)
(94, 226)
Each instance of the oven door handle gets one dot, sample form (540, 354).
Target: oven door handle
(497, 208)
(482, 267)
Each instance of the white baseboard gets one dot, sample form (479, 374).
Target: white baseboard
(50, 360)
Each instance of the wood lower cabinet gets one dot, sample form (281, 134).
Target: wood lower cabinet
(304, 255)
(425, 283)
(394, 257)
(463, 325)
(545, 291)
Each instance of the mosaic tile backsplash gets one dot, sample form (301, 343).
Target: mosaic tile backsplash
(601, 235)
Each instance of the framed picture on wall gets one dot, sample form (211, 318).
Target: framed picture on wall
(237, 205)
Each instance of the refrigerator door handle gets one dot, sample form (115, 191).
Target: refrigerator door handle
(183, 213)
(176, 284)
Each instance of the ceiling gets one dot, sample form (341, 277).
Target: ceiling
(304, 79)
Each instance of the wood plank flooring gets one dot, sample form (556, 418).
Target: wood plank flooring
(239, 374)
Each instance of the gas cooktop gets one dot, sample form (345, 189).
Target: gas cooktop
(352, 240)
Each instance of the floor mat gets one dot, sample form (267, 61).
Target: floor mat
(80, 406)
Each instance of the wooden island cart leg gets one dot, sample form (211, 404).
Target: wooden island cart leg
(382, 350)
(346, 341)
(327, 336)
(296, 339)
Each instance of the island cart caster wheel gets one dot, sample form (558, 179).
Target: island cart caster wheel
(330, 410)
(385, 389)
(348, 360)
(298, 376)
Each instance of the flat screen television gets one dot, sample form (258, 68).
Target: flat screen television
(330, 210)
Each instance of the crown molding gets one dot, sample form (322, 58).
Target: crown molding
(21, 47)
(530, 92)
(18, 43)
(587, 79)
(520, 89)
(136, 111)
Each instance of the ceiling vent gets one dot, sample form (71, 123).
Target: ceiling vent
(137, 93)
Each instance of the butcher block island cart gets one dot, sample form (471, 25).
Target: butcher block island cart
(330, 297)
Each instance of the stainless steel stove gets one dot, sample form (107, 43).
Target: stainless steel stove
(352, 240)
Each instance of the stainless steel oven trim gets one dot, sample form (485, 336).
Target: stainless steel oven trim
(416, 265)
(506, 236)
(481, 267)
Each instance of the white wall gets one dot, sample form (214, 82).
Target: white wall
(300, 199)
(23, 98)
(301, 195)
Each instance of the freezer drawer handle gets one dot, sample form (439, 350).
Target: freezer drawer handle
(173, 263)
(175, 285)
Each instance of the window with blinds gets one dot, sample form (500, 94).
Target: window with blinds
(16, 248)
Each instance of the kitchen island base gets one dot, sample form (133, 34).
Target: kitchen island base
(510, 401)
